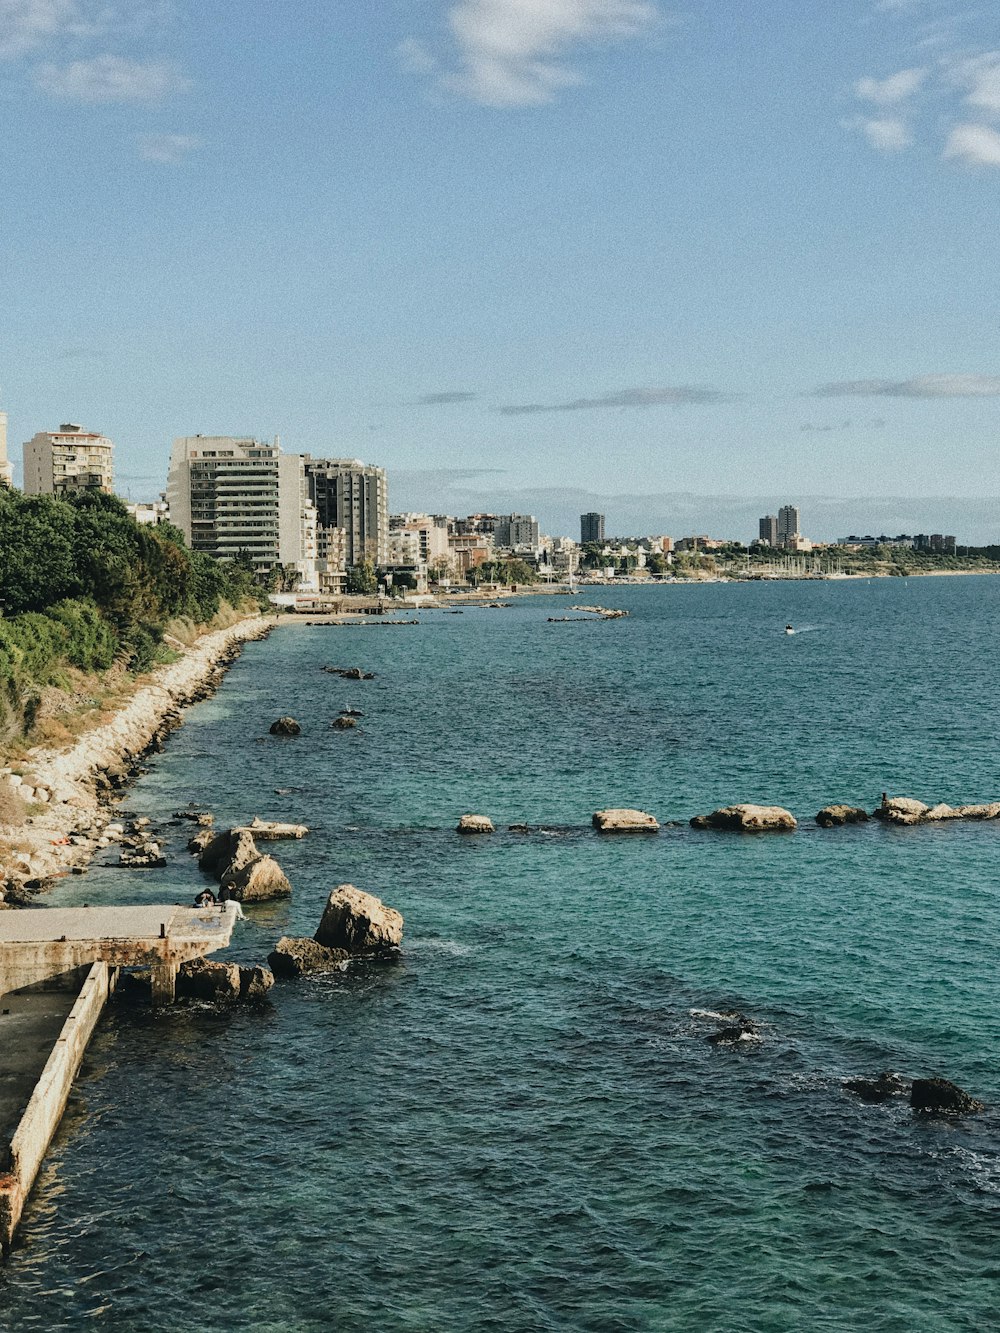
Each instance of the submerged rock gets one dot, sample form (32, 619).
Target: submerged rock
(879, 1089)
(358, 922)
(201, 817)
(271, 831)
(747, 819)
(285, 726)
(936, 1096)
(293, 957)
(841, 814)
(474, 824)
(624, 821)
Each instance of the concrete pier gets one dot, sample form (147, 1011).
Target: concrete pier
(37, 945)
(78, 951)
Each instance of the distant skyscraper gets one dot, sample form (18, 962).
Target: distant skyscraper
(591, 528)
(351, 495)
(6, 469)
(788, 522)
(67, 459)
(769, 529)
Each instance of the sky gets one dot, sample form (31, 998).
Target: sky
(607, 248)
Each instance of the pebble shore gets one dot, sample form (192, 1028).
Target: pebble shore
(77, 786)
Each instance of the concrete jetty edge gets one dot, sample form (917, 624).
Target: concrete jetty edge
(45, 1108)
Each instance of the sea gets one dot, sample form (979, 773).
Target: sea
(520, 1124)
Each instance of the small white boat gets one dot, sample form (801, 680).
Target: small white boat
(789, 630)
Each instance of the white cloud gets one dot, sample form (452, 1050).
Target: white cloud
(170, 149)
(512, 53)
(981, 75)
(893, 90)
(889, 134)
(977, 145)
(110, 78)
(26, 24)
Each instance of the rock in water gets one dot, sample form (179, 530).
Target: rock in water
(624, 821)
(879, 1089)
(270, 830)
(200, 979)
(358, 922)
(841, 814)
(285, 726)
(474, 824)
(747, 819)
(256, 881)
(344, 723)
(294, 957)
(230, 850)
(200, 841)
(900, 810)
(936, 1096)
(255, 982)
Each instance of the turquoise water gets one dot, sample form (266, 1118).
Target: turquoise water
(520, 1125)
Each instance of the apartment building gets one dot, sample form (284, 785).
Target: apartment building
(68, 459)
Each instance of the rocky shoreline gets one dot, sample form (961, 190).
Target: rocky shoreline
(71, 792)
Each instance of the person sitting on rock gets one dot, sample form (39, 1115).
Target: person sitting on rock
(205, 899)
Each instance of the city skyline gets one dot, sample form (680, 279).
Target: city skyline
(557, 241)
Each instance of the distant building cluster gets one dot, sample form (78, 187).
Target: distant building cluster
(318, 521)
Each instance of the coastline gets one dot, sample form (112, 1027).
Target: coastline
(72, 790)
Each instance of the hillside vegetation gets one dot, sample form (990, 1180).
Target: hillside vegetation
(86, 592)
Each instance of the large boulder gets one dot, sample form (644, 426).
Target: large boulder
(255, 982)
(293, 957)
(900, 810)
(256, 880)
(624, 821)
(936, 1096)
(942, 811)
(474, 824)
(230, 850)
(285, 726)
(358, 922)
(990, 811)
(201, 841)
(201, 979)
(841, 814)
(747, 819)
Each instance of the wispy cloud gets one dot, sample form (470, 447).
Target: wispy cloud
(109, 78)
(27, 24)
(889, 134)
(168, 149)
(516, 53)
(625, 398)
(923, 386)
(977, 145)
(451, 396)
(980, 76)
(892, 90)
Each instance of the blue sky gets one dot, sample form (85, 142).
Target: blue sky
(615, 244)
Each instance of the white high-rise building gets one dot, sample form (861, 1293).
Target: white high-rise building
(6, 468)
(233, 494)
(68, 459)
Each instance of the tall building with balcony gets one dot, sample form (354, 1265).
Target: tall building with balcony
(352, 496)
(236, 494)
(516, 532)
(6, 468)
(591, 528)
(788, 523)
(67, 459)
